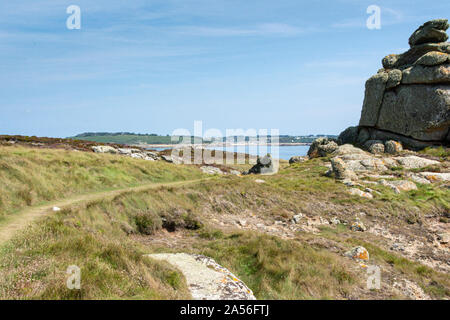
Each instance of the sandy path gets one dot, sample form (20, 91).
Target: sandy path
(15, 222)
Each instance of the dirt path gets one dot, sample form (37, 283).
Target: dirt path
(18, 221)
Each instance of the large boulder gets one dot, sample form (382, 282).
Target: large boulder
(421, 112)
(349, 135)
(430, 32)
(341, 171)
(104, 149)
(420, 74)
(297, 159)
(433, 58)
(264, 165)
(321, 147)
(409, 100)
(373, 98)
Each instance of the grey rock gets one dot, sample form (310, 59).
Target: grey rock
(296, 219)
(408, 142)
(374, 146)
(394, 78)
(358, 226)
(404, 185)
(341, 171)
(321, 147)
(419, 74)
(390, 61)
(211, 170)
(430, 32)
(393, 147)
(348, 149)
(363, 136)
(264, 165)
(349, 135)
(373, 99)
(359, 253)
(297, 159)
(433, 58)
(167, 158)
(104, 149)
(412, 55)
(421, 112)
(415, 162)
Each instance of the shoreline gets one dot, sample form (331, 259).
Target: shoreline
(294, 144)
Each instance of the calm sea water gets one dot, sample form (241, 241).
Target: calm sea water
(285, 152)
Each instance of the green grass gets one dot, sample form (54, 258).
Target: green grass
(282, 269)
(441, 152)
(32, 176)
(107, 239)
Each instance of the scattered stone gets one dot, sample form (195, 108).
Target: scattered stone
(430, 32)
(360, 193)
(444, 238)
(260, 181)
(397, 247)
(167, 158)
(128, 151)
(348, 149)
(341, 172)
(359, 252)
(358, 226)
(374, 146)
(433, 58)
(404, 185)
(56, 209)
(393, 147)
(207, 280)
(211, 170)
(242, 223)
(264, 165)
(418, 179)
(321, 147)
(335, 221)
(296, 219)
(394, 78)
(435, 176)
(349, 135)
(104, 149)
(297, 159)
(411, 290)
(414, 162)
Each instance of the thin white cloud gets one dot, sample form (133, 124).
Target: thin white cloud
(266, 29)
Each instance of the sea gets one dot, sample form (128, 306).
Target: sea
(283, 152)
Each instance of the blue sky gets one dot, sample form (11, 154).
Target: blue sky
(157, 65)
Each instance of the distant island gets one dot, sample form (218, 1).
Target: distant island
(153, 139)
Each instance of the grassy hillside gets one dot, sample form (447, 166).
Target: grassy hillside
(107, 239)
(33, 176)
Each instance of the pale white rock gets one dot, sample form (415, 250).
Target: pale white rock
(362, 194)
(415, 162)
(211, 170)
(104, 149)
(435, 176)
(206, 279)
